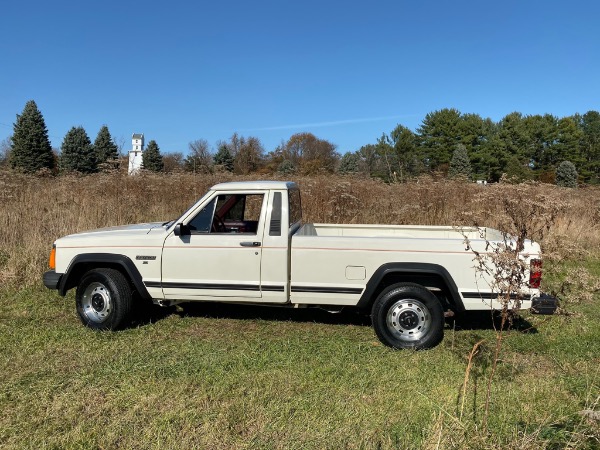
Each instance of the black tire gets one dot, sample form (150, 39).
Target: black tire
(407, 315)
(104, 300)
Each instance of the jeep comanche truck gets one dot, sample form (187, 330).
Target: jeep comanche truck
(245, 242)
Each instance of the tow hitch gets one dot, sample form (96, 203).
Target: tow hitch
(544, 304)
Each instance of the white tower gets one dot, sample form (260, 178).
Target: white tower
(135, 154)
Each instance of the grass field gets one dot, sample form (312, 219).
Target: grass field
(240, 377)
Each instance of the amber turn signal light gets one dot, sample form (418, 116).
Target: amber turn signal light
(52, 259)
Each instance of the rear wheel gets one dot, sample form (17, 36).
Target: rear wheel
(104, 299)
(407, 315)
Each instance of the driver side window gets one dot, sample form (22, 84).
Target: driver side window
(203, 220)
(229, 213)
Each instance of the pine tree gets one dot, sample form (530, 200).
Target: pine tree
(31, 149)
(438, 134)
(350, 163)
(590, 126)
(515, 171)
(77, 153)
(286, 167)
(105, 148)
(460, 166)
(223, 158)
(151, 158)
(566, 174)
(404, 142)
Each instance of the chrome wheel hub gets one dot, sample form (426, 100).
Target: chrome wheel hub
(96, 302)
(408, 320)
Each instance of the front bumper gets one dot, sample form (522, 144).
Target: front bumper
(52, 279)
(544, 304)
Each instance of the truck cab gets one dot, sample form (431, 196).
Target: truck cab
(233, 243)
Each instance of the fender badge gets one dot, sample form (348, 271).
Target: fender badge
(145, 258)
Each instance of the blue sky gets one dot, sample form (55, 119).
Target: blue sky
(345, 71)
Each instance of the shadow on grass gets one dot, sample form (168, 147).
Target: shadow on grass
(473, 320)
(347, 316)
(147, 312)
(486, 320)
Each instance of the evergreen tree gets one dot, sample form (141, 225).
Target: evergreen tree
(460, 166)
(223, 157)
(31, 149)
(542, 132)
(105, 148)
(568, 142)
(489, 158)
(590, 126)
(566, 174)
(479, 136)
(286, 167)
(350, 163)
(151, 158)
(77, 153)
(516, 171)
(438, 134)
(514, 135)
(408, 156)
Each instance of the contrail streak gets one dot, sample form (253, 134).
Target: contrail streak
(331, 123)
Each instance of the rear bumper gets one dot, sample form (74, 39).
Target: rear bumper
(52, 279)
(544, 304)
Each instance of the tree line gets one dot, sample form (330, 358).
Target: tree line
(447, 143)
(520, 147)
(30, 150)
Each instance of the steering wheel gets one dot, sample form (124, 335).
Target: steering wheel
(218, 226)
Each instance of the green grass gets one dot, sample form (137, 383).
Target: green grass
(238, 377)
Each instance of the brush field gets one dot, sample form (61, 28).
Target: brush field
(219, 376)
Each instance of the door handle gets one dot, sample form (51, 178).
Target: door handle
(250, 244)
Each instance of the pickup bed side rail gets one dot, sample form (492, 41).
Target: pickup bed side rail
(390, 273)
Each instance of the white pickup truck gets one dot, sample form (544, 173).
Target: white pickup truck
(245, 242)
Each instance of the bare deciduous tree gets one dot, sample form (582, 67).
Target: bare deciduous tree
(310, 153)
(5, 146)
(200, 158)
(173, 162)
(249, 156)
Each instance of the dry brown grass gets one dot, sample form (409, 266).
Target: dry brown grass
(243, 382)
(35, 211)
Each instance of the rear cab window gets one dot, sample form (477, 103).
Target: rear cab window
(295, 206)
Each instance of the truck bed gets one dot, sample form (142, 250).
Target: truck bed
(331, 264)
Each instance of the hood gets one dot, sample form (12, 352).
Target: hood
(123, 231)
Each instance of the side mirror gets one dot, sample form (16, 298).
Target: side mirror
(181, 230)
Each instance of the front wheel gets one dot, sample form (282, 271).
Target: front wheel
(407, 315)
(104, 299)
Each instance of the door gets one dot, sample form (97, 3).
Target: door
(219, 255)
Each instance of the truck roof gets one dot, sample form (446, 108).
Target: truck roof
(235, 185)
